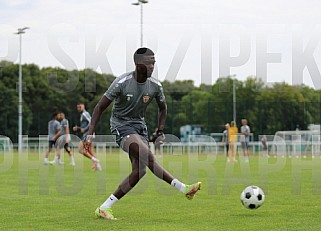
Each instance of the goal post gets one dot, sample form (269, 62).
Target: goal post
(298, 143)
(5, 144)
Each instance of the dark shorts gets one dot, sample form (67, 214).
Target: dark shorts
(52, 143)
(83, 137)
(227, 146)
(65, 146)
(122, 131)
(61, 143)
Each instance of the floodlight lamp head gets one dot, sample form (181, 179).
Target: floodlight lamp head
(140, 2)
(22, 30)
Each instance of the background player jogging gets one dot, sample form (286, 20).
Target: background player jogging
(83, 129)
(54, 130)
(131, 93)
(64, 139)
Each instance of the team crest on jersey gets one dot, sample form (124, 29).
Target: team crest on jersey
(129, 96)
(146, 98)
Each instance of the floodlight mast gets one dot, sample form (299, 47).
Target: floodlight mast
(20, 32)
(234, 101)
(141, 3)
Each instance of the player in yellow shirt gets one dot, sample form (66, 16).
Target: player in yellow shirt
(232, 138)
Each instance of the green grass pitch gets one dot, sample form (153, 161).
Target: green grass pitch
(38, 197)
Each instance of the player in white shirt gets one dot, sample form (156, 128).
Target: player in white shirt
(245, 139)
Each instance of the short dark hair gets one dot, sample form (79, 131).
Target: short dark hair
(53, 115)
(142, 52)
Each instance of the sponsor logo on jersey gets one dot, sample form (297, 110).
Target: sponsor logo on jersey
(129, 96)
(146, 98)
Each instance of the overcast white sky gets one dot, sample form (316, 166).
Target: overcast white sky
(191, 39)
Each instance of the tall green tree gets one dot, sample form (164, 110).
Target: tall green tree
(268, 108)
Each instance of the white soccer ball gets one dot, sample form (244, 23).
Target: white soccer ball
(252, 197)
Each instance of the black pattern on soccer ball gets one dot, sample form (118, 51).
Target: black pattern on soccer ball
(252, 197)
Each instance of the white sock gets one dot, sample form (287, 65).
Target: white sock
(109, 202)
(56, 159)
(46, 160)
(179, 185)
(93, 159)
(72, 160)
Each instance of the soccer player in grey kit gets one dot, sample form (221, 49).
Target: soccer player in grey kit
(54, 131)
(131, 93)
(64, 140)
(83, 128)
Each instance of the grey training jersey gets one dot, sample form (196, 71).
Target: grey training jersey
(245, 128)
(53, 128)
(225, 136)
(85, 119)
(64, 124)
(132, 98)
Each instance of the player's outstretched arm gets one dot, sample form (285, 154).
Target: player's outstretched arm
(162, 113)
(101, 106)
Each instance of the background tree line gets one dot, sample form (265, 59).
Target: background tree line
(268, 108)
